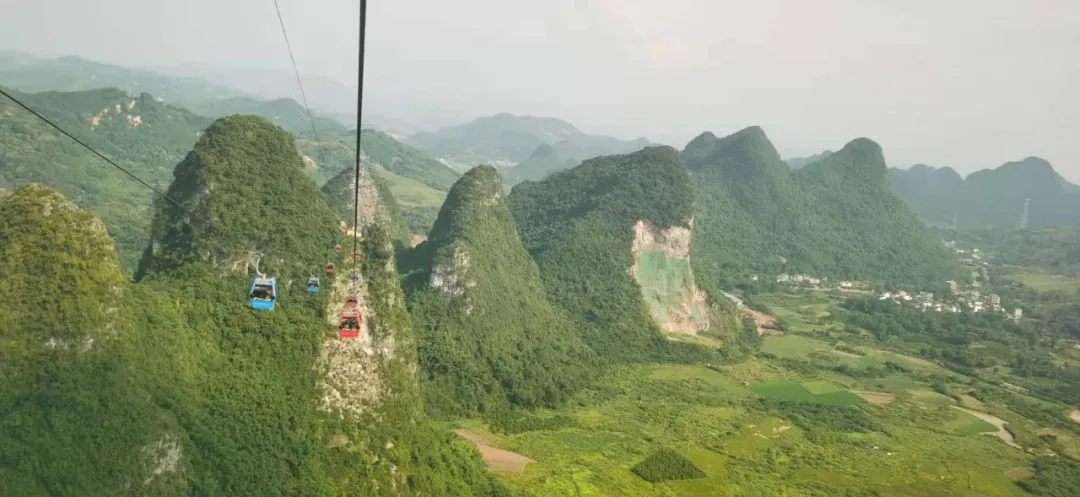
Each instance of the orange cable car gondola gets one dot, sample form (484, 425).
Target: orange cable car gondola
(349, 324)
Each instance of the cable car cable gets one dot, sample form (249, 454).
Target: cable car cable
(95, 152)
(303, 94)
(359, 113)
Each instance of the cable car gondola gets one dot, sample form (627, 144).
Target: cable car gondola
(329, 268)
(349, 324)
(263, 293)
(313, 284)
(337, 249)
(351, 302)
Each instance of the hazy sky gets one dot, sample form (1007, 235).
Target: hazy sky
(966, 83)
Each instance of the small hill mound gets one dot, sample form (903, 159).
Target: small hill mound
(417, 181)
(377, 203)
(579, 226)
(244, 177)
(62, 272)
(542, 162)
(284, 112)
(832, 218)
(491, 338)
(505, 139)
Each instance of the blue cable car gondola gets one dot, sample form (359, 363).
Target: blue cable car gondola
(263, 293)
(313, 284)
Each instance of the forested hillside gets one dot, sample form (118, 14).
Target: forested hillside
(832, 218)
(418, 181)
(377, 203)
(579, 226)
(173, 386)
(800, 162)
(930, 192)
(542, 162)
(144, 136)
(509, 138)
(31, 74)
(990, 198)
(491, 338)
(284, 112)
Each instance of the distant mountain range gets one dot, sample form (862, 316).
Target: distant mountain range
(506, 139)
(990, 198)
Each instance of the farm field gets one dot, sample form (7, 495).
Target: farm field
(1047, 282)
(748, 428)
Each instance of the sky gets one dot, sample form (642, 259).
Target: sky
(964, 83)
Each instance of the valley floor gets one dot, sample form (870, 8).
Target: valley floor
(769, 427)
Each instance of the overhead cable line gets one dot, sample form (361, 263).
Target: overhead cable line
(296, 71)
(359, 113)
(95, 152)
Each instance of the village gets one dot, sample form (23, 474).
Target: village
(957, 300)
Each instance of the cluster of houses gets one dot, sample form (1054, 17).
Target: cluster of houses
(805, 279)
(971, 300)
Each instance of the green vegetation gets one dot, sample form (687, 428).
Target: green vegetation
(666, 465)
(928, 191)
(833, 218)
(149, 146)
(244, 178)
(1054, 478)
(173, 387)
(542, 162)
(378, 204)
(418, 182)
(801, 162)
(491, 338)
(1051, 250)
(1047, 282)
(27, 73)
(1025, 348)
(990, 197)
(578, 225)
(284, 112)
(798, 392)
(506, 137)
(747, 446)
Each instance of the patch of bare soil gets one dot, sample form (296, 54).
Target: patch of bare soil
(766, 325)
(1002, 433)
(417, 240)
(495, 458)
(1075, 416)
(876, 397)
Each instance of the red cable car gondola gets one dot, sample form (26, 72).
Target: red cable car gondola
(351, 301)
(349, 324)
(330, 268)
(337, 249)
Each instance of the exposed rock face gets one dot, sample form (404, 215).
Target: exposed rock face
(662, 268)
(450, 276)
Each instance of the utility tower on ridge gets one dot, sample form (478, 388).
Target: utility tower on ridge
(1024, 219)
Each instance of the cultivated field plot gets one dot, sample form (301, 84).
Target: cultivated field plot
(711, 418)
(1047, 282)
(496, 459)
(797, 391)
